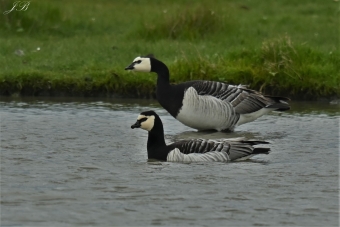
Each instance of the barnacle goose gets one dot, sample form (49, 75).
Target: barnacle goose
(194, 150)
(206, 105)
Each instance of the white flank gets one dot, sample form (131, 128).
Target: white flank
(213, 156)
(204, 112)
(244, 158)
(245, 118)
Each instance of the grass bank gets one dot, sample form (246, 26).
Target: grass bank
(80, 48)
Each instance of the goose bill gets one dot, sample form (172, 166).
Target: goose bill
(136, 125)
(130, 67)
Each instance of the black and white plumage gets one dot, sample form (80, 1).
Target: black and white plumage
(194, 150)
(206, 105)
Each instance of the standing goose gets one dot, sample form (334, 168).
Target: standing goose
(206, 105)
(194, 150)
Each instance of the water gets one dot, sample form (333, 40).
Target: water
(73, 162)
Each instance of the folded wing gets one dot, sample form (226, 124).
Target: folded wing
(244, 100)
(198, 150)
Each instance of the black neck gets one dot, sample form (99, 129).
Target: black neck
(162, 71)
(169, 96)
(163, 79)
(156, 145)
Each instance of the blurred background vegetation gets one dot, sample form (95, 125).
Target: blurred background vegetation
(80, 47)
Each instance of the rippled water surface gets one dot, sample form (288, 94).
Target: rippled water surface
(77, 162)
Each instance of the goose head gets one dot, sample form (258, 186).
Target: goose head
(149, 121)
(140, 64)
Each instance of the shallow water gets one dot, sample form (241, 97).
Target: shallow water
(76, 162)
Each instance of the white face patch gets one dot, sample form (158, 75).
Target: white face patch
(142, 64)
(148, 124)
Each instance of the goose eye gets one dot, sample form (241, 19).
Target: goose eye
(139, 61)
(142, 120)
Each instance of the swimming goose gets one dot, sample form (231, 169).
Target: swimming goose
(194, 150)
(205, 105)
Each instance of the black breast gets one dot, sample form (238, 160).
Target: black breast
(171, 98)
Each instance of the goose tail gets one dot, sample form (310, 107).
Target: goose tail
(279, 103)
(244, 149)
(261, 150)
(257, 150)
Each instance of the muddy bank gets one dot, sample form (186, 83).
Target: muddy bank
(136, 92)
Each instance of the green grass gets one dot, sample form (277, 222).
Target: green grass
(80, 48)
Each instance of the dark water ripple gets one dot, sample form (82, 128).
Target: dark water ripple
(78, 163)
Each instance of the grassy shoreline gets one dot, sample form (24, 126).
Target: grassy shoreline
(63, 48)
